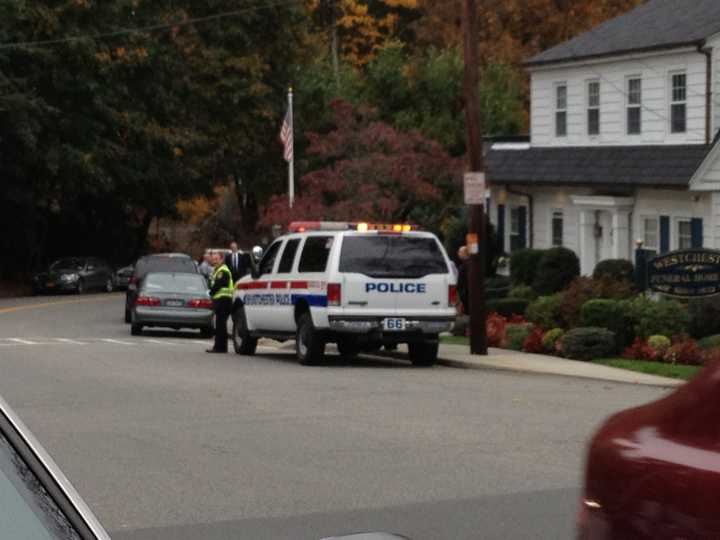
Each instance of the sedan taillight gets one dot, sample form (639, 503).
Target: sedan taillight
(200, 303)
(334, 294)
(147, 301)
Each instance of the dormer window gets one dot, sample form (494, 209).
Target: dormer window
(634, 106)
(593, 108)
(561, 110)
(678, 103)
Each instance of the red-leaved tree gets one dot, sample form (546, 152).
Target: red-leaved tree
(365, 170)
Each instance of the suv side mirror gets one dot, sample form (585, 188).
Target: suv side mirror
(257, 253)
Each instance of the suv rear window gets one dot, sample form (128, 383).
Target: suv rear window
(315, 254)
(385, 256)
(164, 264)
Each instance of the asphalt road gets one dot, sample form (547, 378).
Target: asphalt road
(166, 442)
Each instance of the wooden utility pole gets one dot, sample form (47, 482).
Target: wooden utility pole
(477, 237)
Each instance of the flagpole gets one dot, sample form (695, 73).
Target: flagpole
(291, 163)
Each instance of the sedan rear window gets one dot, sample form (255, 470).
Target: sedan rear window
(164, 264)
(180, 283)
(392, 256)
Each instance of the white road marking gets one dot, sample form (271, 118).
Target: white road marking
(116, 341)
(70, 341)
(23, 341)
(200, 342)
(158, 342)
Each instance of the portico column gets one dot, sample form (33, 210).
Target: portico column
(621, 234)
(587, 241)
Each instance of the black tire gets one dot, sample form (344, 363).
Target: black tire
(136, 329)
(309, 344)
(109, 286)
(243, 342)
(423, 353)
(127, 315)
(80, 287)
(207, 332)
(348, 347)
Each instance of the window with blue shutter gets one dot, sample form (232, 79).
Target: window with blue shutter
(664, 234)
(696, 226)
(501, 226)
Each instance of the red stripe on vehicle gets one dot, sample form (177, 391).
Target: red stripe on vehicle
(253, 285)
(278, 284)
(298, 284)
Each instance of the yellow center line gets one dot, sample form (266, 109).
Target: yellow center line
(60, 303)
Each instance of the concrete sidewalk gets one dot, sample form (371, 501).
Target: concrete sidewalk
(459, 356)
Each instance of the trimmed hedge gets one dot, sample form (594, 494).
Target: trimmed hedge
(588, 343)
(704, 316)
(664, 317)
(611, 315)
(556, 270)
(659, 344)
(545, 312)
(615, 269)
(517, 334)
(522, 292)
(710, 342)
(497, 287)
(507, 307)
(524, 265)
(551, 338)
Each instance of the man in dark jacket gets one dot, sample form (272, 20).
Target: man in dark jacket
(237, 262)
(221, 292)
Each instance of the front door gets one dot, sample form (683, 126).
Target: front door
(605, 236)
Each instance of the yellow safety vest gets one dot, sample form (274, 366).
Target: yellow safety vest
(225, 292)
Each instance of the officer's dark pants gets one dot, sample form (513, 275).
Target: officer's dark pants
(222, 308)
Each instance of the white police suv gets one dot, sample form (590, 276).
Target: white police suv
(358, 285)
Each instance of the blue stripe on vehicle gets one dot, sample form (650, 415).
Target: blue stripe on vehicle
(316, 300)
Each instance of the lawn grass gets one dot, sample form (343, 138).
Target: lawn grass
(455, 340)
(662, 369)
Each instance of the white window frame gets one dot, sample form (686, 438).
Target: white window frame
(553, 214)
(676, 232)
(672, 101)
(558, 109)
(629, 105)
(643, 219)
(590, 106)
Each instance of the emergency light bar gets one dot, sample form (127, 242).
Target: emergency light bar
(303, 226)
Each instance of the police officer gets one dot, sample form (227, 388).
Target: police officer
(221, 292)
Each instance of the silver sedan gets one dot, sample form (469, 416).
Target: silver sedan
(172, 300)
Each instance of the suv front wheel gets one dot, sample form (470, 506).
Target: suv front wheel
(423, 353)
(243, 342)
(309, 344)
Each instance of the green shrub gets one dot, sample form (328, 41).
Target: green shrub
(612, 315)
(507, 307)
(588, 343)
(664, 317)
(704, 316)
(516, 335)
(660, 344)
(556, 270)
(545, 311)
(584, 289)
(524, 264)
(551, 338)
(523, 292)
(615, 270)
(710, 342)
(497, 287)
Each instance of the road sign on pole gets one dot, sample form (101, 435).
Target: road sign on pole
(474, 188)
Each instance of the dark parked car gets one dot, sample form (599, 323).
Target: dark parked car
(172, 300)
(122, 277)
(160, 262)
(653, 472)
(75, 274)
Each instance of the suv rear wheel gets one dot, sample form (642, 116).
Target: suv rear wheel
(423, 353)
(243, 342)
(309, 344)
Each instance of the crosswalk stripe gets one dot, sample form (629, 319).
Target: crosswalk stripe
(70, 341)
(116, 341)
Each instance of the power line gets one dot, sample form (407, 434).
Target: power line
(151, 28)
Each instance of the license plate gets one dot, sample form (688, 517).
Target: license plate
(174, 303)
(393, 325)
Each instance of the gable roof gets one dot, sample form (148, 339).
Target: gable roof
(658, 165)
(657, 24)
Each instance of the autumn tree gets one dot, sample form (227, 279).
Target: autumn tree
(371, 171)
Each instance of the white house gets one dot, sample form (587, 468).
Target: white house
(623, 139)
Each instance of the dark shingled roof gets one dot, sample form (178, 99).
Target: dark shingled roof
(654, 166)
(658, 24)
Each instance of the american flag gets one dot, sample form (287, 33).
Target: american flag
(286, 136)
